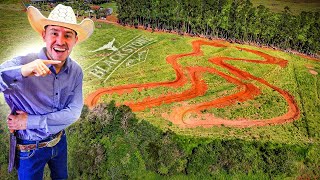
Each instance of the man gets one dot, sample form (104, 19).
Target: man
(44, 92)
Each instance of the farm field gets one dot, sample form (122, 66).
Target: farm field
(230, 106)
(296, 7)
(157, 89)
(152, 89)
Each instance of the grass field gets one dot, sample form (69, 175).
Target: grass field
(296, 6)
(291, 149)
(295, 78)
(17, 37)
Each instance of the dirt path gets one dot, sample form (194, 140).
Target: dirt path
(182, 115)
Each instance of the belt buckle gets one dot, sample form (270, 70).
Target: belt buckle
(53, 142)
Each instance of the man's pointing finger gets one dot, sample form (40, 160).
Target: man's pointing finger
(46, 62)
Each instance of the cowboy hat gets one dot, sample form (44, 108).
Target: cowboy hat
(60, 16)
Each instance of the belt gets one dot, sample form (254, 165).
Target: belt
(51, 143)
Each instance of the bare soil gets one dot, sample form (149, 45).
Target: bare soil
(181, 115)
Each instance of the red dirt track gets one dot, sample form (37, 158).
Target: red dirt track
(181, 115)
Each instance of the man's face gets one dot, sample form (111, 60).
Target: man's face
(59, 42)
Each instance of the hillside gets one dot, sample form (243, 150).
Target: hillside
(198, 97)
(152, 87)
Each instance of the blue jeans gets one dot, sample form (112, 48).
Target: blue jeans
(30, 164)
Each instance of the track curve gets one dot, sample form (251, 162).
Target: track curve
(199, 87)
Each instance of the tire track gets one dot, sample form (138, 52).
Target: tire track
(181, 115)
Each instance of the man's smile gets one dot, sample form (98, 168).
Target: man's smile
(59, 49)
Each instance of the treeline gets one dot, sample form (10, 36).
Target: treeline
(234, 20)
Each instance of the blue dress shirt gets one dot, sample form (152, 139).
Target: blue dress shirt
(52, 102)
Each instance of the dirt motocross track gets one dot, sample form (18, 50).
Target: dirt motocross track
(181, 115)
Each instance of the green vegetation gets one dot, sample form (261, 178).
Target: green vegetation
(9, 1)
(295, 79)
(112, 5)
(118, 144)
(235, 21)
(296, 7)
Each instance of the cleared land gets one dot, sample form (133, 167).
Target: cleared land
(154, 88)
(288, 77)
(199, 88)
(296, 6)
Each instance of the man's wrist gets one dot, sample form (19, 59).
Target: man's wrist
(11, 75)
(24, 72)
(33, 121)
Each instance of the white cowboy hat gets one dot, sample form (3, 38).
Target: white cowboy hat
(60, 16)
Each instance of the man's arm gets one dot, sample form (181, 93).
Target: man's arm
(56, 121)
(11, 71)
(37, 67)
(52, 122)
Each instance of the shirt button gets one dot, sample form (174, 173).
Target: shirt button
(56, 77)
(56, 93)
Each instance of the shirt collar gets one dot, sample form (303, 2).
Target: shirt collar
(66, 66)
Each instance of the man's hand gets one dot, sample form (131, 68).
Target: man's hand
(17, 122)
(37, 68)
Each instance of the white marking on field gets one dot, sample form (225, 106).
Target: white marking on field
(108, 46)
(110, 54)
(106, 66)
(142, 57)
(125, 60)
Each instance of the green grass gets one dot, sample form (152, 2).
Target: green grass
(9, 1)
(17, 36)
(112, 5)
(296, 6)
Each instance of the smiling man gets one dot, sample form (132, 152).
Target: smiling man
(44, 93)
(58, 48)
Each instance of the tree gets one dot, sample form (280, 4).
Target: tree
(235, 20)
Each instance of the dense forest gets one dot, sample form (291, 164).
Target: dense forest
(119, 146)
(234, 20)
(109, 142)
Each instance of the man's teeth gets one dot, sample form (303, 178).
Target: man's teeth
(59, 49)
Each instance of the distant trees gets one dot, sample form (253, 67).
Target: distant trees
(98, 1)
(234, 20)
